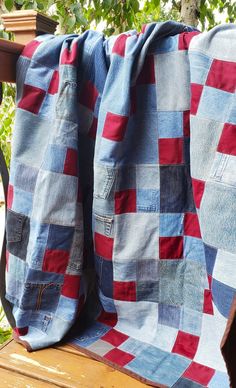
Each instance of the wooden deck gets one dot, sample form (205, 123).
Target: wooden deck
(61, 366)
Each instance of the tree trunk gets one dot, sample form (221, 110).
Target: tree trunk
(190, 12)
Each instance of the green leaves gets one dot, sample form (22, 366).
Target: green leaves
(9, 4)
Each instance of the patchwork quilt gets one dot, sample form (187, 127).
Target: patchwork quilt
(121, 218)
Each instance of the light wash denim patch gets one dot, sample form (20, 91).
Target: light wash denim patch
(170, 124)
(200, 64)
(214, 104)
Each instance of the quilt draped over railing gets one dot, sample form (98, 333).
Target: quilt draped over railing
(121, 213)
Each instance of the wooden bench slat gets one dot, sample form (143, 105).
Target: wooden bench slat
(11, 379)
(63, 368)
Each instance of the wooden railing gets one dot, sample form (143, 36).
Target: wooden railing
(25, 25)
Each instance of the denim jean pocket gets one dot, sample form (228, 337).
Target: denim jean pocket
(104, 181)
(104, 224)
(37, 296)
(17, 233)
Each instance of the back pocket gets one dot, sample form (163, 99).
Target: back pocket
(17, 233)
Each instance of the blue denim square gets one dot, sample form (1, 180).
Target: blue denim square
(165, 45)
(171, 224)
(54, 158)
(90, 335)
(159, 366)
(104, 271)
(210, 255)
(191, 321)
(170, 124)
(124, 270)
(22, 201)
(200, 65)
(146, 98)
(223, 296)
(169, 315)
(66, 308)
(60, 237)
(214, 104)
(220, 379)
(194, 249)
(38, 243)
(148, 200)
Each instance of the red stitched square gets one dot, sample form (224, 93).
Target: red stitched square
(186, 344)
(109, 319)
(186, 123)
(196, 92)
(185, 39)
(124, 291)
(171, 247)
(171, 151)
(198, 190)
(89, 95)
(10, 193)
(191, 225)
(69, 57)
(103, 245)
(222, 75)
(208, 305)
(55, 260)
(54, 83)
(71, 286)
(30, 48)
(93, 129)
(147, 74)
(115, 126)
(199, 373)
(71, 162)
(114, 337)
(119, 357)
(119, 45)
(125, 201)
(32, 99)
(227, 143)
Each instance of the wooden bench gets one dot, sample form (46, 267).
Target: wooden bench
(60, 366)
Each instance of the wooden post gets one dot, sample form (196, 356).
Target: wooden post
(25, 25)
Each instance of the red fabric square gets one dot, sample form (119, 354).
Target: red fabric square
(119, 45)
(89, 95)
(103, 245)
(93, 129)
(71, 286)
(171, 151)
(208, 305)
(114, 337)
(109, 319)
(10, 193)
(186, 123)
(20, 331)
(186, 344)
(30, 48)
(119, 357)
(115, 126)
(198, 190)
(125, 201)
(124, 291)
(196, 92)
(147, 74)
(55, 260)
(227, 143)
(171, 247)
(69, 57)
(71, 162)
(32, 99)
(209, 277)
(199, 373)
(185, 39)
(191, 225)
(54, 83)
(222, 75)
